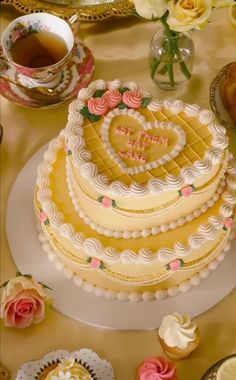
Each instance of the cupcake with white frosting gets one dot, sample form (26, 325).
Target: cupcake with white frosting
(178, 335)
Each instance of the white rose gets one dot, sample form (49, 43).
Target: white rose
(150, 9)
(221, 3)
(185, 15)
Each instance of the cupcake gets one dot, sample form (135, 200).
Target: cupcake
(67, 369)
(178, 335)
(157, 369)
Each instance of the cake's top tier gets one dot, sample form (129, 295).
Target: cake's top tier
(126, 143)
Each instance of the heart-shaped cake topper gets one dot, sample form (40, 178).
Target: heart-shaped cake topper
(137, 145)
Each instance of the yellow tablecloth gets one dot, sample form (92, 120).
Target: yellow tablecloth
(120, 47)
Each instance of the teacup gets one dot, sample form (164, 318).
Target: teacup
(38, 46)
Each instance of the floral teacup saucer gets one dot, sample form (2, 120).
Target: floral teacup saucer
(76, 75)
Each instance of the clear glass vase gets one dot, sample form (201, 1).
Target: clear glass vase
(171, 57)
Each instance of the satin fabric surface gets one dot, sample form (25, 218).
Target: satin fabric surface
(120, 48)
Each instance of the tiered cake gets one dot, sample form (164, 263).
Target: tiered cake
(136, 195)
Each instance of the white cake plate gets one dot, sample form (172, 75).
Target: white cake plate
(72, 300)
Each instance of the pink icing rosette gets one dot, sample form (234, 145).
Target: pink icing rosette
(113, 98)
(186, 191)
(132, 98)
(97, 106)
(157, 369)
(106, 202)
(229, 223)
(95, 263)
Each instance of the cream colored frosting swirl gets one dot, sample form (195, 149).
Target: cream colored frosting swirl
(177, 330)
(69, 369)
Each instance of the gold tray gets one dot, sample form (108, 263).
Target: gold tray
(66, 8)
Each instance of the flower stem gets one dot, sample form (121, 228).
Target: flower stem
(170, 45)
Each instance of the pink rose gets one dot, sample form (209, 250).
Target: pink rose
(95, 263)
(106, 202)
(229, 223)
(175, 265)
(132, 98)
(113, 98)
(97, 106)
(157, 369)
(23, 302)
(43, 217)
(186, 191)
(25, 70)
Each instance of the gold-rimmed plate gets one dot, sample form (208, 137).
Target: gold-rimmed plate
(212, 371)
(87, 10)
(216, 101)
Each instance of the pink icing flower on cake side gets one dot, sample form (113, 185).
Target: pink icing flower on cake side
(157, 369)
(95, 263)
(132, 98)
(112, 97)
(228, 223)
(186, 191)
(97, 106)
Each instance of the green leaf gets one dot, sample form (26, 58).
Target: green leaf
(146, 101)
(84, 111)
(98, 93)
(99, 199)
(89, 259)
(181, 262)
(122, 105)
(4, 284)
(18, 274)
(102, 266)
(124, 89)
(45, 286)
(114, 203)
(93, 117)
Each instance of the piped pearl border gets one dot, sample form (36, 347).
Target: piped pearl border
(135, 296)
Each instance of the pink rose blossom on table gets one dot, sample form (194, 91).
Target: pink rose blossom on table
(23, 302)
(229, 223)
(97, 106)
(132, 98)
(157, 369)
(186, 191)
(95, 263)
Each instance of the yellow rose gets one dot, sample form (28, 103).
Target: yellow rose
(221, 3)
(185, 15)
(150, 9)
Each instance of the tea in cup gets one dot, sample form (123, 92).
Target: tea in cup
(38, 46)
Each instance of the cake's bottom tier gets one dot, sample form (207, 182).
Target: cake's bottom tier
(147, 264)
